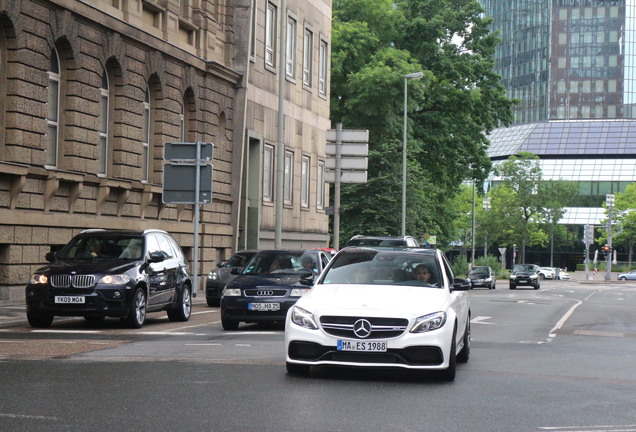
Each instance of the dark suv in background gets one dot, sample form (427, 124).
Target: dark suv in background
(525, 274)
(217, 279)
(482, 277)
(104, 273)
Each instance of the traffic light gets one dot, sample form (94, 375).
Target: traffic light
(606, 249)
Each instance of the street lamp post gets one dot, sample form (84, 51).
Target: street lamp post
(415, 75)
(486, 208)
(609, 200)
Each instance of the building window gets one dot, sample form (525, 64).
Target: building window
(322, 68)
(308, 57)
(290, 48)
(104, 107)
(288, 177)
(270, 35)
(3, 74)
(320, 185)
(52, 119)
(253, 32)
(268, 173)
(304, 181)
(145, 140)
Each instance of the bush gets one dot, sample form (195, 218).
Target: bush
(460, 266)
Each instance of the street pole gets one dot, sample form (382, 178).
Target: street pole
(280, 155)
(609, 200)
(415, 75)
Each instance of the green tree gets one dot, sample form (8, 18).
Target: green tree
(519, 208)
(451, 109)
(555, 195)
(625, 217)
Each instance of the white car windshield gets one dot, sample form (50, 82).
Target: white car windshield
(376, 267)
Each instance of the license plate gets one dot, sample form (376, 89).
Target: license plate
(368, 346)
(70, 299)
(264, 307)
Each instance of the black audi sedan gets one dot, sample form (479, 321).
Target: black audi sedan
(107, 273)
(270, 283)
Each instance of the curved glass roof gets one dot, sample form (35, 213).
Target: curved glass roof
(594, 138)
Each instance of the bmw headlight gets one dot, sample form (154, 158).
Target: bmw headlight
(533, 276)
(513, 277)
(299, 292)
(303, 318)
(430, 322)
(38, 279)
(120, 279)
(231, 292)
(489, 279)
(214, 275)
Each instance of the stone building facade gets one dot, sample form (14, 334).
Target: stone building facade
(91, 90)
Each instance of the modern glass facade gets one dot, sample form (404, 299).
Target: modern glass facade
(572, 65)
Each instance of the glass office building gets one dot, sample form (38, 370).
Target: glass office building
(572, 65)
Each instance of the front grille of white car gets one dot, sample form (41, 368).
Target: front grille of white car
(381, 328)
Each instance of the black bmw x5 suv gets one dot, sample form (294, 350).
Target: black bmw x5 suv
(105, 273)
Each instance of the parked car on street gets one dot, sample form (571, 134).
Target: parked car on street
(525, 274)
(270, 283)
(482, 277)
(361, 240)
(106, 273)
(547, 273)
(382, 308)
(217, 279)
(627, 276)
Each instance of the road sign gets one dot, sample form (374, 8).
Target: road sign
(346, 176)
(348, 149)
(187, 151)
(349, 136)
(179, 183)
(347, 163)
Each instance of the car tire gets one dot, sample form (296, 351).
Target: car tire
(229, 324)
(512, 286)
(536, 286)
(448, 374)
(464, 354)
(622, 278)
(40, 321)
(137, 309)
(214, 302)
(183, 311)
(541, 276)
(297, 369)
(494, 285)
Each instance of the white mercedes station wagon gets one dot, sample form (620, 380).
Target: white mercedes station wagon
(382, 308)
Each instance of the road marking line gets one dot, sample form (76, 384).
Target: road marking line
(68, 331)
(481, 319)
(243, 345)
(204, 344)
(27, 416)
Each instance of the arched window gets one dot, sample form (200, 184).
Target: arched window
(145, 141)
(104, 119)
(52, 119)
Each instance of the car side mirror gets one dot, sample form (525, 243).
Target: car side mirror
(156, 257)
(460, 284)
(50, 256)
(307, 279)
(236, 270)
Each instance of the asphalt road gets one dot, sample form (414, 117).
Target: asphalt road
(557, 359)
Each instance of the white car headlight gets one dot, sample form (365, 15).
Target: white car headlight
(37, 279)
(513, 277)
(119, 279)
(232, 292)
(488, 279)
(430, 322)
(533, 276)
(299, 292)
(303, 318)
(214, 275)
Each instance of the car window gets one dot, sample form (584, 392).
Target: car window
(95, 247)
(275, 263)
(238, 260)
(164, 246)
(131, 248)
(380, 268)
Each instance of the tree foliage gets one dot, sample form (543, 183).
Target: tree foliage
(451, 109)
